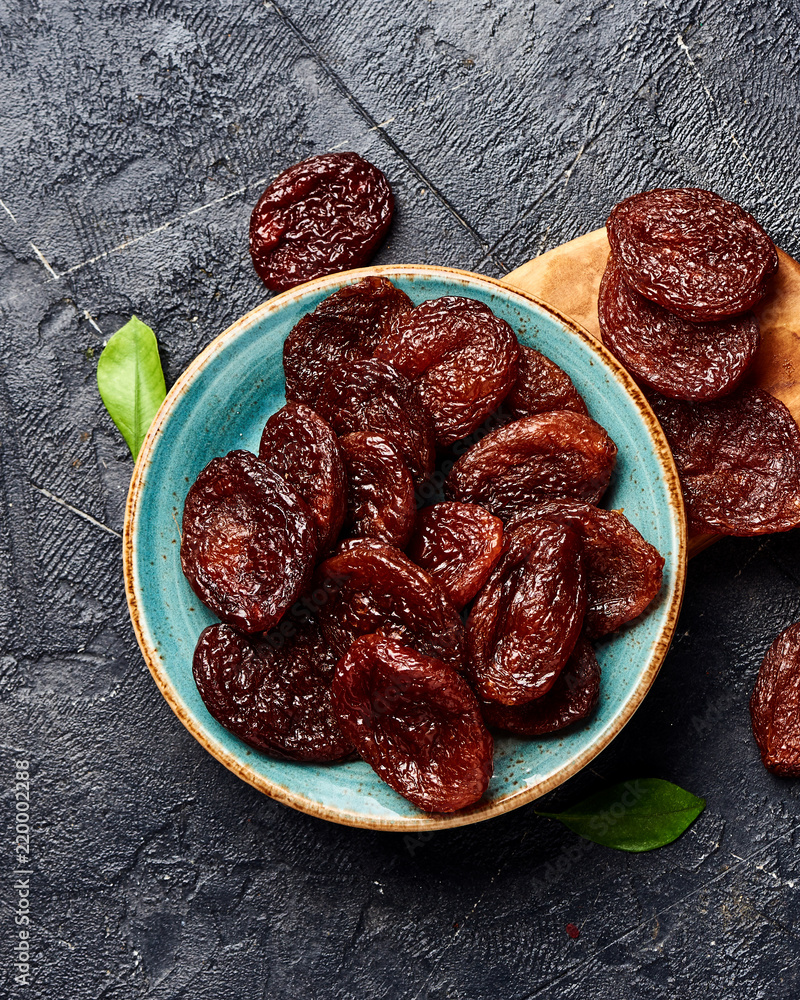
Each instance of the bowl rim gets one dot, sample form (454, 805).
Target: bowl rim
(435, 821)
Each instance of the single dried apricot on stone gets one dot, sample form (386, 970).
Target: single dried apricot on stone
(461, 356)
(321, 216)
(775, 705)
(370, 395)
(345, 327)
(380, 491)
(675, 356)
(691, 251)
(458, 544)
(249, 541)
(416, 723)
(541, 386)
(375, 588)
(558, 455)
(571, 699)
(738, 459)
(277, 698)
(301, 447)
(623, 571)
(527, 618)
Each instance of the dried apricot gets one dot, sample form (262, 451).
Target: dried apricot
(738, 459)
(375, 588)
(345, 327)
(380, 491)
(557, 455)
(571, 699)
(775, 705)
(249, 541)
(321, 216)
(461, 356)
(416, 723)
(370, 395)
(298, 444)
(672, 355)
(623, 571)
(458, 544)
(527, 618)
(691, 251)
(542, 386)
(276, 699)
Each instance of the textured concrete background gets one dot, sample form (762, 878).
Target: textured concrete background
(135, 140)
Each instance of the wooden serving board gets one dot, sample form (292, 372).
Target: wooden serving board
(568, 278)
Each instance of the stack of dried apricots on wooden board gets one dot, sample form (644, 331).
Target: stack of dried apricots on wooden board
(357, 618)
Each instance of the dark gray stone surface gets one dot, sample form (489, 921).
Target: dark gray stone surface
(135, 139)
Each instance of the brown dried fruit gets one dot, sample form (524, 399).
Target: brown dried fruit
(416, 723)
(301, 447)
(321, 216)
(345, 327)
(738, 459)
(380, 491)
(623, 571)
(542, 386)
(249, 541)
(275, 698)
(370, 395)
(527, 618)
(571, 699)
(375, 588)
(676, 357)
(458, 544)
(691, 251)
(461, 356)
(558, 455)
(775, 705)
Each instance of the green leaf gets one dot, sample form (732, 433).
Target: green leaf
(131, 381)
(637, 815)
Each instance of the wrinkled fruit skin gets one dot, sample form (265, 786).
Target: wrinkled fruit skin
(738, 459)
(370, 395)
(527, 618)
(374, 587)
(692, 252)
(623, 571)
(302, 448)
(321, 216)
(571, 699)
(462, 358)
(277, 700)
(459, 545)
(381, 503)
(416, 723)
(558, 455)
(345, 327)
(541, 386)
(775, 705)
(674, 356)
(248, 543)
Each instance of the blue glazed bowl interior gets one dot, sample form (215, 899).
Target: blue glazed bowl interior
(222, 403)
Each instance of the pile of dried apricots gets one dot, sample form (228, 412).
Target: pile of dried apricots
(357, 620)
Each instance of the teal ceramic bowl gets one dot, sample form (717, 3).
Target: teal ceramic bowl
(222, 401)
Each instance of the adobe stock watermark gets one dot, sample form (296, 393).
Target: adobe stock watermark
(21, 873)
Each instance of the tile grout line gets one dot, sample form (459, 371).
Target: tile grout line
(164, 226)
(8, 211)
(658, 913)
(727, 125)
(244, 188)
(565, 173)
(75, 510)
(342, 87)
